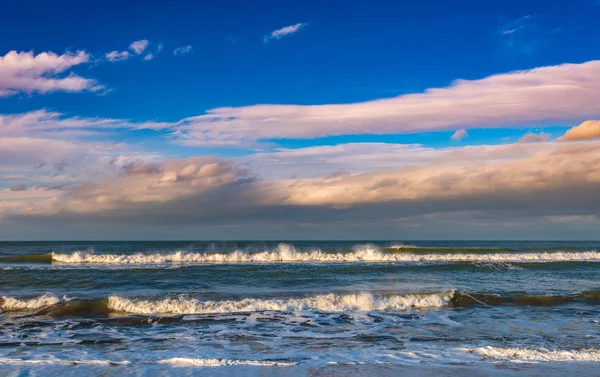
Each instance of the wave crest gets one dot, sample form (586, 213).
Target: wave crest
(285, 253)
(8, 304)
(541, 354)
(324, 303)
(181, 361)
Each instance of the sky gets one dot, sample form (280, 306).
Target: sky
(300, 120)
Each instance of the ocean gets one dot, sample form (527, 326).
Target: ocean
(299, 308)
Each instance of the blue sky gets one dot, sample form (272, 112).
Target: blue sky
(347, 53)
(157, 106)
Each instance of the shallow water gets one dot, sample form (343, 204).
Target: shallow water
(251, 306)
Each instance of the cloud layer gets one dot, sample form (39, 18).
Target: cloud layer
(541, 179)
(563, 93)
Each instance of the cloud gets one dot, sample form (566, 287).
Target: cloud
(559, 94)
(42, 147)
(563, 93)
(55, 125)
(531, 137)
(497, 181)
(18, 187)
(139, 46)
(284, 31)
(459, 135)
(115, 56)
(182, 50)
(515, 26)
(590, 129)
(24, 72)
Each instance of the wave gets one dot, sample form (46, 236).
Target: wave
(181, 361)
(326, 303)
(4, 360)
(285, 253)
(542, 354)
(177, 361)
(329, 303)
(8, 304)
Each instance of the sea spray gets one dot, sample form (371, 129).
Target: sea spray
(285, 253)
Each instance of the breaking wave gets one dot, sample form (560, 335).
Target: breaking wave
(181, 361)
(330, 303)
(326, 303)
(542, 354)
(177, 361)
(8, 304)
(285, 253)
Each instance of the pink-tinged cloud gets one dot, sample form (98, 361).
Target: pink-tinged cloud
(115, 56)
(517, 177)
(590, 129)
(563, 93)
(139, 46)
(284, 31)
(24, 72)
(532, 137)
(459, 135)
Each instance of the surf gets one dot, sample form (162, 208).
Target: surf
(285, 253)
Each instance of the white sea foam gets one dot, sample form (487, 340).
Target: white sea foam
(542, 354)
(9, 361)
(287, 253)
(14, 304)
(181, 361)
(330, 303)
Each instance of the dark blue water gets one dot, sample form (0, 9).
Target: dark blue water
(151, 305)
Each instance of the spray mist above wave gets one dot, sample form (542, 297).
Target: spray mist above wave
(285, 253)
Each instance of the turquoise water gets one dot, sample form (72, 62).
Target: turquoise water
(147, 306)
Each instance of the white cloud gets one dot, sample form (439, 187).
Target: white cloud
(47, 124)
(590, 129)
(46, 147)
(459, 135)
(182, 50)
(24, 72)
(115, 56)
(353, 158)
(139, 46)
(562, 93)
(284, 31)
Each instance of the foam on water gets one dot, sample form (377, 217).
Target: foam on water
(13, 304)
(542, 354)
(182, 361)
(287, 253)
(10, 361)
(324, 303)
